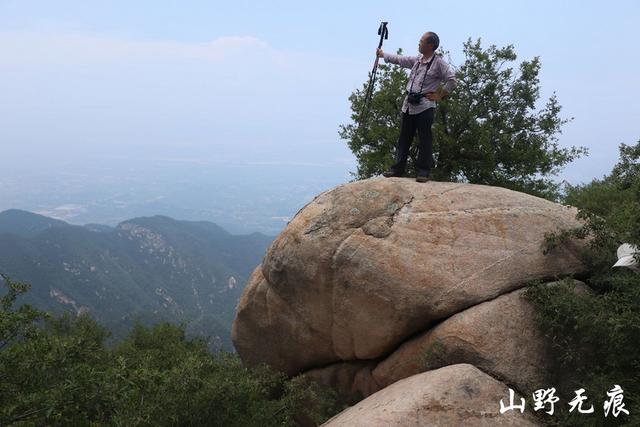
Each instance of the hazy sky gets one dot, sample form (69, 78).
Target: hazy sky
(245, 82)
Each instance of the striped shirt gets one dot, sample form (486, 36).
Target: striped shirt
(439, 72)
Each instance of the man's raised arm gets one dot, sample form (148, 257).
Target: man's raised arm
(401, 60)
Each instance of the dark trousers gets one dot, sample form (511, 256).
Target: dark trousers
(410, 122)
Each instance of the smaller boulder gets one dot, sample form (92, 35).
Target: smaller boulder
(456, 395)
(499, 336)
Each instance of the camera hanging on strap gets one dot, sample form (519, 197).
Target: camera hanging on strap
(415, 97)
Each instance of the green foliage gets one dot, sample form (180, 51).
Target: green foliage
(610, 209)
(488, 131)
(611, 205)
(63, 374)
(594, 341)
(20, 323)
(594, 336)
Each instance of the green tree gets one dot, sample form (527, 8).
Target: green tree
(20, 323)
(610, 209)
(61, 374)
(594, 336)
(488, 131)
(612, 204)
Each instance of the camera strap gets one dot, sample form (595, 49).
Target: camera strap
(425, 73)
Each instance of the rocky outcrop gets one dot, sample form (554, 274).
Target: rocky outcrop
(368, 264)
(499, 336)
(456, 395)
(379, 280)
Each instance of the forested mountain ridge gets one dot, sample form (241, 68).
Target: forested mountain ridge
(146, 268)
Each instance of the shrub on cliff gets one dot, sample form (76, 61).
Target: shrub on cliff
(63, 374)
(596, 336)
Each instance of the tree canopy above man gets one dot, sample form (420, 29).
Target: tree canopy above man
(488, 131)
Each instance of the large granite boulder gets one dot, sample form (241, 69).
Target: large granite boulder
(368, 265)
(499, 336)
(456, 395)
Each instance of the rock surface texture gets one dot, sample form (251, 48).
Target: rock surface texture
(381, 279)
(456, 395)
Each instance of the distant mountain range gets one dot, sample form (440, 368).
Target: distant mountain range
(147, 268)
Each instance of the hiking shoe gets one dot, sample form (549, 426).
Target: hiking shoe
(391, 173)
(422, 177)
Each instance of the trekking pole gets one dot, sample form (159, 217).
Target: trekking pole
(383, 32)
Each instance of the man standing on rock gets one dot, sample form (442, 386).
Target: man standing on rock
(428, 72)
